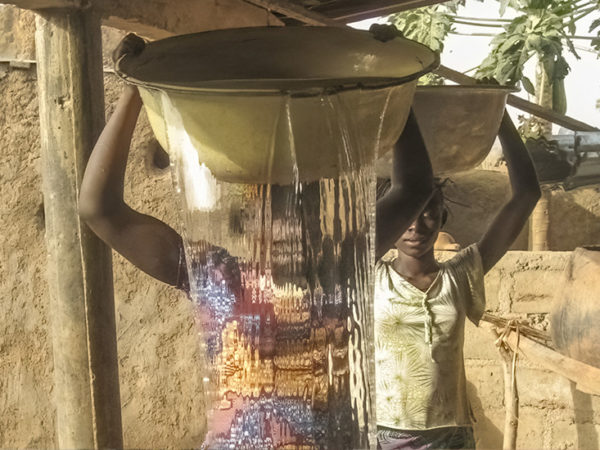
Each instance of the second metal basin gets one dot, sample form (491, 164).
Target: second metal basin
(458, 123)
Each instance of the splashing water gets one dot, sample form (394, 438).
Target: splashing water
(281, 280)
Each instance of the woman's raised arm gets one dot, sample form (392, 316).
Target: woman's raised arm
(509, 221)
(412, 187)
(145, 241)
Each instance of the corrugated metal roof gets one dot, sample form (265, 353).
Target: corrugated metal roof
(355, 10)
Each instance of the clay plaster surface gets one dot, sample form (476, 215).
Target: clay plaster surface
(552, 413)
(17, 28)
(475, 197)
(160, 370)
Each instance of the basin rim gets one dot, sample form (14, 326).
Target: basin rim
(300, 87)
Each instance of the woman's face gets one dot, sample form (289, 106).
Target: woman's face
(421, 235)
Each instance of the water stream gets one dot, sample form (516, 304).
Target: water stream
(281, 280)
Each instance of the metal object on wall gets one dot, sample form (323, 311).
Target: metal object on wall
(571, 159)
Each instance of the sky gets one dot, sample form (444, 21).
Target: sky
(462, 53)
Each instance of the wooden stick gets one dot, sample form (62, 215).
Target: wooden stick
(524, 328)
(585, 376)
(522, 104)
(511, 398)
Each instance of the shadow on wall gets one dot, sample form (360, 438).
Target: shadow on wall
(574, 218)
(487, 434)
(587, 436)
(474, 198)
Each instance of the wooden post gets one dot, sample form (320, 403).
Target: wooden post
(71, 103)
(511, 398)
(539, 223)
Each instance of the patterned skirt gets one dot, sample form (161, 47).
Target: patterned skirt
(436, 438)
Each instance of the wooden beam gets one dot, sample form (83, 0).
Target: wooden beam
(522, 104)
(157, 19)
(297, 12)
(79, 271)
(45, 4)
(585, 376)
(547, 114)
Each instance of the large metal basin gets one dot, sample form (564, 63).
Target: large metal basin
(270, 105)
(459, 125)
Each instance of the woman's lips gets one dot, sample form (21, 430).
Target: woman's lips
(416, 240)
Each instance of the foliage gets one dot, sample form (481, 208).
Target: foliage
(431, 79)
(595, 43)
(541, 30)
(429, 25)
(531, 127)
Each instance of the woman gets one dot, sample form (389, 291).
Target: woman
(421, 304)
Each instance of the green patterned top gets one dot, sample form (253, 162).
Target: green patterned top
(419, 339)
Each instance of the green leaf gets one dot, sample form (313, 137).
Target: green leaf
(561, 68)
(559, 97)
(595, 43)
(429, 25)
(572, 27)
(512, 40)
(528, 85)
(571, 47)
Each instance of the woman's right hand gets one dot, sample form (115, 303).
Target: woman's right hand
(130, 44)
(384, 32)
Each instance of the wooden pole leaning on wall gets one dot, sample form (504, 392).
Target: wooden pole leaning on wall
(71, 102)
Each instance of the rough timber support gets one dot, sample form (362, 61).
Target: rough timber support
(44, 4)
(157, 19)
(297, 12)
(71, 102)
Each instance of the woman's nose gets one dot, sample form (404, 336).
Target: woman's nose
(419, 224)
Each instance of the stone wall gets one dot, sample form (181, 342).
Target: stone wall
(552, 413)
(474, 198)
